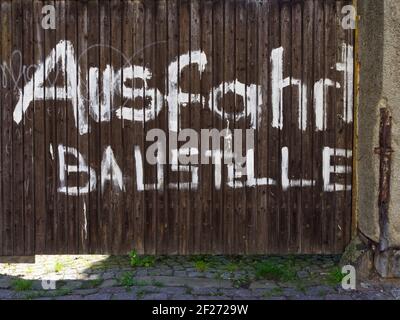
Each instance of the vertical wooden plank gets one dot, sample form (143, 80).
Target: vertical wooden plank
(94, 159)
(262, 147)
(39, 133)
(218, 78)
(150, 171)
(117, 197)
(274, 159)
(39, 152)
(173, 194)
(307, 137)
(183, 122)
(138, 59)
(50, 105)
(61, 215)
(17, 196)
(253, 219)
(329, 134)
(72, 135)
(285, 34)
(226, 104)
(340, 131)
(7, 177)
(206, 172)
(83, 138)
(350, 63)
(105, 92)
(2, 84)
(196, 192)
(237, 67)
(295, 138)
(128, 128)
(318, 72)
(160, 74)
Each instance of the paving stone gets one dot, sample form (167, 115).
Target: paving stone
(112, 290)
(202, 285)
(277, 298)
(209, 275)
(85, 291)
(5, 282)
(95, 276)
(205, 291)
(302, 274)
(226, 276)
(186, 281)
(178, 268)
(214, 298)
(98, 296)
(141, 273)
(395, 293)
(244, 293)
(155, 296)
(338, 297)
(378, 296)
(259, 292)
(291, 292)
(70, 297)
(108, 275)
(124, 296)
(195, 274)
(319, 290)
(312, 298)
(72, 285)
(172, 290)
(365, 285)
(108, 283)
(263, 285)
(6, 294)
(165, 272)
(146, 289)
(183, 297)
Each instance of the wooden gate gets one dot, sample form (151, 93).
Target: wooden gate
(83, 83)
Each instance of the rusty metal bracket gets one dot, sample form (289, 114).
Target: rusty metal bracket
(384, 151)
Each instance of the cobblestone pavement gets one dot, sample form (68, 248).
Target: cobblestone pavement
(186, 278)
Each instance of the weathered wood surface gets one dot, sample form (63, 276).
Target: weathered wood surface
(303, 204)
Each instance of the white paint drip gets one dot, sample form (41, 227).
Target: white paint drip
(51, 152)
(84, 220)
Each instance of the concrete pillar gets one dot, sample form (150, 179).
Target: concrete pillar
(379, 57)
